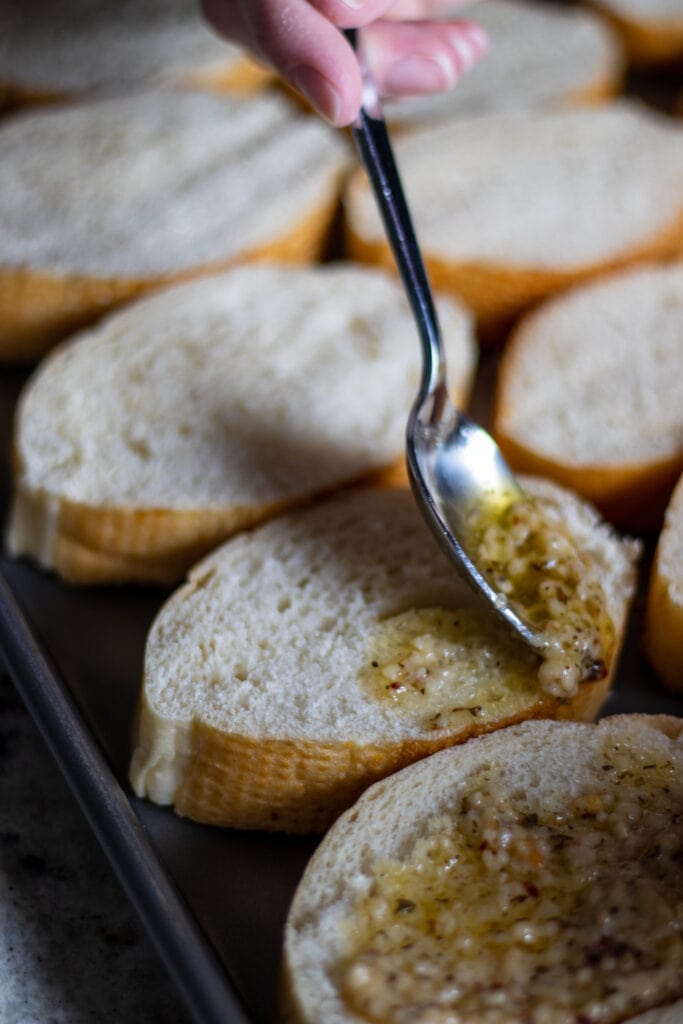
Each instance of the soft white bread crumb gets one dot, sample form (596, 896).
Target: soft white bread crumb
(104, 201)
(652, 30)
(66, 48)
(253, 711)
(535, 770)
(158, 183)
(539, 55)
(512, 207)
(206, 407)
(590, 392)
(664, 607)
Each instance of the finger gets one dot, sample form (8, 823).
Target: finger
(358, 13)
(409, 59)
(352, 13)
(302, 45)
(425, 10)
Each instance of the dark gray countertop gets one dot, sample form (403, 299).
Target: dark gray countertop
(71, 949)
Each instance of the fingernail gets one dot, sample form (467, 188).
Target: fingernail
(469, 46)
(465, 51)
(420, 74)
(478, 38)
(320, 93)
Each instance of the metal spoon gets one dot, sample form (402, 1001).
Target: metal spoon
(457, 472)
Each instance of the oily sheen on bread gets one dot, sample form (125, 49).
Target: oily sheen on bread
(664, 603)
(652, 30)
(64, 50)
(590, 392)
(210, 406)
(105, 200)
(320, 652)
(529, 875)
(512, 207)
(539, 55)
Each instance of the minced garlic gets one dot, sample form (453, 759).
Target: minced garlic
(507, 912)
(530, 560)
(439, 666)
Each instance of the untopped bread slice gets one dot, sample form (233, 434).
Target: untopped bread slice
(208, 407)
(324, 650)
(53, 50)
(664, 604)
(512, 207)
(590, 392)
(103, 201)
(530, 875)
(652, 30)
(539, 55)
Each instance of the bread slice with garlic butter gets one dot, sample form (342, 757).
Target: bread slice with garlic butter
(310, 657)
(530, 875)
(664, 603)
(513, 207)
(600, 368)
(199, 411)
(63, 50)
(103, 201)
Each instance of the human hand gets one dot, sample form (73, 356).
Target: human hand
(408, 53)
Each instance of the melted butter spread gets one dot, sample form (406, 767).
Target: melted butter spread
(437, 665)
(505, 912)
(530, 560)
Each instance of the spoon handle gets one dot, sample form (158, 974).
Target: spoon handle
(372, 142)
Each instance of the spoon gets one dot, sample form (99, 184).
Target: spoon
(458, 475)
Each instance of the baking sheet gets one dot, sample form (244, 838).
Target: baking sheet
(214, 901)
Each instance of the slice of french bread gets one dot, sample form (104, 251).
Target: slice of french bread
(539, 55)
(53, 50)
(529, 875)
(203, 409)
(310, 657)
(600, 368)
(105, 200)
(664, 603)
(652, 30)
(512, 207)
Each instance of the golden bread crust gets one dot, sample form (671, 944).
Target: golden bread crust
(39, 308)
(303, 786)
(657, 41)
(663, 632)
(89, 545)
(498, 294)
(632, 496)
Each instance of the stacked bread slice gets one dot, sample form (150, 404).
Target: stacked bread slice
(512, 207)
(60, 51)
(210, 406)
(589, 392)
(103, 201)
(530, 875)
(310, 657)
(539, 55)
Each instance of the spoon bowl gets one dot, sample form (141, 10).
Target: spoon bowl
(461, 481)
